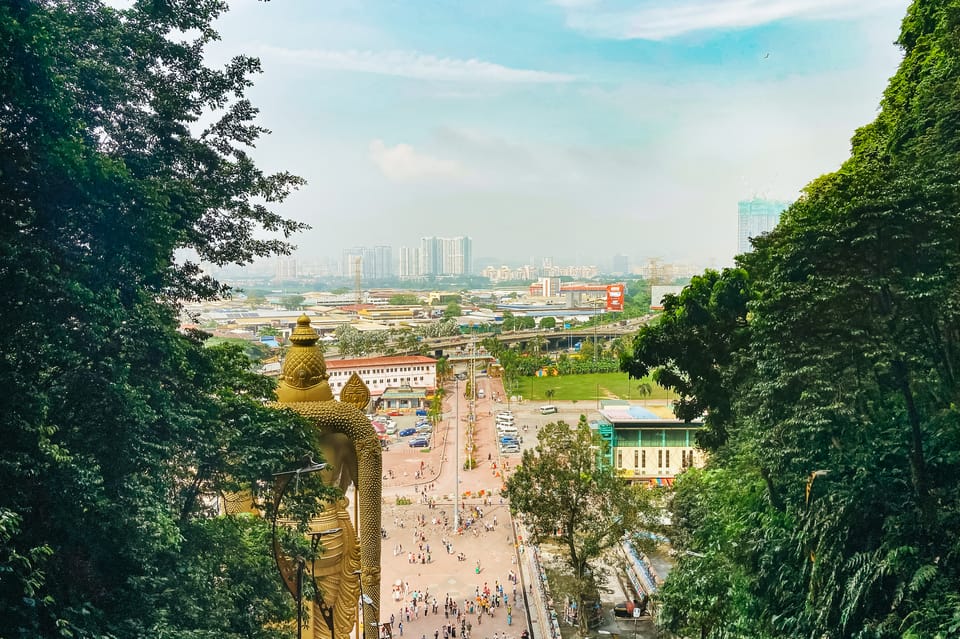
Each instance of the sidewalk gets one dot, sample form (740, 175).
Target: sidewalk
(543, 624)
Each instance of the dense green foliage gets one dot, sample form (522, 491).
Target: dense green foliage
(830, 505)
(118, 431)
(404, 299)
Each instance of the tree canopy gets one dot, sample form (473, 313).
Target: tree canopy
(121, 155)
(828, 508)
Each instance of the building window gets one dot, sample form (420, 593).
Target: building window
(619, 459)
(668, 458)
(636, 459)
(660, 458)
(643, 459)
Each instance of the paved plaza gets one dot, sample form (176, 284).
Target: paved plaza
(424, 558)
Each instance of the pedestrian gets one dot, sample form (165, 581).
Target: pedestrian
(400, 628)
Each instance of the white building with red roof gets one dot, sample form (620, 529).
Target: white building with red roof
(397, 382)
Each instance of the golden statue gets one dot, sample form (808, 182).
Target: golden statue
(352, 453)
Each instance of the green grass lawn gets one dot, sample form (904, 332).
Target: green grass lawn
(587, 387)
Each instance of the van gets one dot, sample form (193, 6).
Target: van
(504, 419)
(548, 410)
(506, 428)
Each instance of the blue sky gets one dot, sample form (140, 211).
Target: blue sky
(571, 129)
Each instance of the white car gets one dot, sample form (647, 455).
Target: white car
(510, 448)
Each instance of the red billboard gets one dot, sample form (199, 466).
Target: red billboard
(615, 295)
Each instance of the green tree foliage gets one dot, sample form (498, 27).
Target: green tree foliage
(836, 386)
(444, 370)
(637, 301)
(566, 492)
(692, 349)
(292, 302)
(404, 299)
(548, 322)
(117, 430)
(357, 343)
(452, 311)
(256, 299)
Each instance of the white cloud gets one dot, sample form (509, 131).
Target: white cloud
(663, 22)
(411, 64)
(403, 163)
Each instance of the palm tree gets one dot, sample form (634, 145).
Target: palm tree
(443, 370)
(645, 389)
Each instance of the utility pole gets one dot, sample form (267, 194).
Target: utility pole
(456, 455)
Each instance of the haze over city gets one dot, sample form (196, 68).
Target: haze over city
(571, 129)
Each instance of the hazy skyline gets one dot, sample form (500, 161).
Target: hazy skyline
(571, 128)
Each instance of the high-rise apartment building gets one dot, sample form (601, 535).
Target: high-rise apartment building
(621, 264)
(374, 262)
(445, 256)
(409, 263)
(757, 217)
(287, 269)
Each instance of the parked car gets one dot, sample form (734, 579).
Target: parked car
(392, 428)
(395, 413)
(422, 412)
(508, 439)
(419, 442)
(425, 428)
(406, 432)
(505, 413)
(510, 448)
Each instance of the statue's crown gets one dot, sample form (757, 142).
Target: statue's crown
(303, 376)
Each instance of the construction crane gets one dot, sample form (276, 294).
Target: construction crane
(358, 277)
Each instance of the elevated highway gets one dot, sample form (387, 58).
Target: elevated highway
(554, 338)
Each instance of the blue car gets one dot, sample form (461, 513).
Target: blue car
(509, 439)
(421, 412)
(419, 442)
(406, 432)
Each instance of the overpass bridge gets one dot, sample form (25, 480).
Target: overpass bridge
(553, 339)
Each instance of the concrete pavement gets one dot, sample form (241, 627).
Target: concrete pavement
(422, 550)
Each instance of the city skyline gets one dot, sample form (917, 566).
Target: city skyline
(557, 127)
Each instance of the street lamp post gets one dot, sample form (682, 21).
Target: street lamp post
(456, 455)
(596, 321)
(281, 482)
(365, 600)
